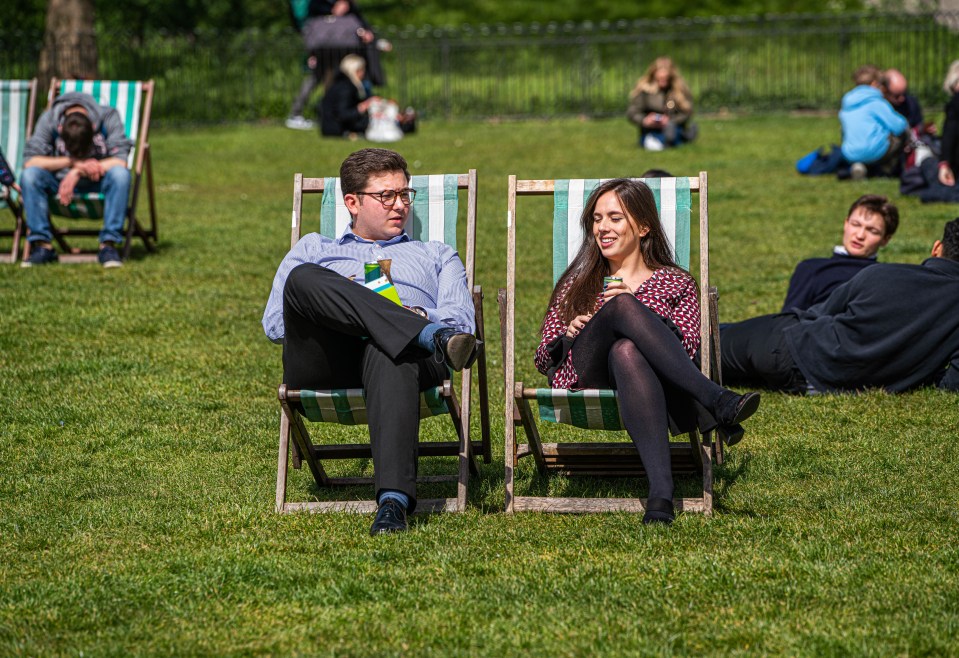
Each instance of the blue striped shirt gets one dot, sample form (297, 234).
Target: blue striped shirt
(426, 274)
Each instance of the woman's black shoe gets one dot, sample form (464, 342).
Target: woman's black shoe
(659, 510)
(733, 409)
(730, 434)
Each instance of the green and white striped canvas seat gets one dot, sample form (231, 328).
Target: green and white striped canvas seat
(347, 406)
(432, 217)
(125, 96)
(597, 408)
(14, 116)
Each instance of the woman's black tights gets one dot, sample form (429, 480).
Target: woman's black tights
(628, 347)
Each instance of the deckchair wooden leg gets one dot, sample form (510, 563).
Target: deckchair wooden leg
(482, 376)
(529, 426)
(18, 232)
(707, 461)
(302, 439)
(151, 194)
(282, 461)
(456, 412)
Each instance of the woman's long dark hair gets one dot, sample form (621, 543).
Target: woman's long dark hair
(584, 276)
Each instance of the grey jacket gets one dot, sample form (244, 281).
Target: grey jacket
(109, 140)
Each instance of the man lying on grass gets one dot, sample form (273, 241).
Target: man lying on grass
(870, 224)
(892, 326)
(337, 333)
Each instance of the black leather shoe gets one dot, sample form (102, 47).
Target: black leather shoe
(390, 517)
(730, 434)
(456, 348)
(659, 510)
(733, 409)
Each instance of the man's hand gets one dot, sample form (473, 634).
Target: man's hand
(90, 168)
(946, 175)
(419, 310)
(67, 185)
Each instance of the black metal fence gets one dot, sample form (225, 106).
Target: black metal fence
(537, 70)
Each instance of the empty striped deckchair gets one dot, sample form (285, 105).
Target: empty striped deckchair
(433, 217)
(133, 99)
(598, 409)
(17, 105)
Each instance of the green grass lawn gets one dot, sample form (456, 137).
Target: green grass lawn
(138, 431)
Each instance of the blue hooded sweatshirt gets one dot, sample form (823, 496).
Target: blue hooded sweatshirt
(867, 122)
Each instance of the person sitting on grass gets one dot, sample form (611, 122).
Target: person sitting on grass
(340, 334)
(637, 334)
(870, 224)
(662, 106)
(78, 146)
(892, 326)
(344, 110)
(873, 133)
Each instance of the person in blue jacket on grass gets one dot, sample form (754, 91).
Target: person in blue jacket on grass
(873, 133)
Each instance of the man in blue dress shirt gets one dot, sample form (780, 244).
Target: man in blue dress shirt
(339, 334)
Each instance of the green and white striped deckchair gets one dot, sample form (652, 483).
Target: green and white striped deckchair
(133, 99)
(433, 217)
(17, 106)
(598, 409)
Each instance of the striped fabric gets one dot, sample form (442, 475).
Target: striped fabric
(126, 96)
(673, 200)
(433, 217)
(347, 406)
(14, 106)
(590, 409)
(597, 408)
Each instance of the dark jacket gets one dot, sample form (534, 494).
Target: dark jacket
(911, 110)
(892, 326)
(950, 134)
(338, 110)
(814, 278)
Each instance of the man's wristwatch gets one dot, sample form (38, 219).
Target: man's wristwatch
(420, 311)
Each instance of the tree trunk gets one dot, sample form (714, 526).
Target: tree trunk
(69, 41)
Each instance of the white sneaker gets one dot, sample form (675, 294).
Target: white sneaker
(299, 123)
(857, 171)
(652, 143)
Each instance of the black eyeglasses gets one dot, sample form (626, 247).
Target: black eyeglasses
(388, 197)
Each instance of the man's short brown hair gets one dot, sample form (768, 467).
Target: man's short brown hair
(879, 205)
(356, 170)
(77, 134)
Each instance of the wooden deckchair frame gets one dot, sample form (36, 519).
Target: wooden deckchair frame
(599, 459)
(142, 168)
(302, 448)
(18, 233)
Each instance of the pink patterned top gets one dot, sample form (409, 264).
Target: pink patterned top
(669, 292)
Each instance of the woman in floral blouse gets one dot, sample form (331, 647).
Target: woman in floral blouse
(637, 335)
